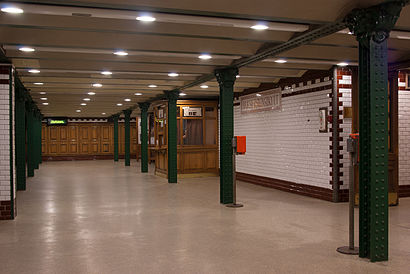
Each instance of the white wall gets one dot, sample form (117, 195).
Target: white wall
(287, 144)
(404, 135)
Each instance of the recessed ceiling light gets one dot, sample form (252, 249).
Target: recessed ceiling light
(182, 94)
(39, 84)
(258, 94)
(146, 18)
(351, 33)
(259, 27)
(238, 76)
(43, 93)
(281, 61)
(121, 53)
(343, 64)
(152, 86)
(127, 100)
(33, 71)
(204, 86)
(86, 99)
(97, 85)
(138, 94)
(26, 49)
(83, 104)
(173, 74)
(91, 93)
(13, 10)
(205, 56)
(46, 104)
(119, 104)
(106, 72)
(103, 113)
(78, 110)
(43, 98)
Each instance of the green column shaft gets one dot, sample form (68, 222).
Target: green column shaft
(40, 145)
(372, 27)
(226, 79)
(116, 138)
(172, 136)
(29, 137)
(20, 139)
(35, 141)
(127, 116)
(144, 136)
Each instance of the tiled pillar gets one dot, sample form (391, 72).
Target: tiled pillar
(7, 148)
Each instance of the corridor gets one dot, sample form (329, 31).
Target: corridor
(102, 217)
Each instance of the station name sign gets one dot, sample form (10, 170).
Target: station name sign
(263, 101)
(57, 121)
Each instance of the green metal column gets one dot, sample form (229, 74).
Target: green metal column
(372, 27)
(127, 115)
(35, 139)
(115, 118)
(40, 145)
(20, 137)
(29, 137)
(144, 136)
(226, 79)
(172, 97)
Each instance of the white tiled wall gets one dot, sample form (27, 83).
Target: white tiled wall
(404, 135)
(287, 144)
(5, 140)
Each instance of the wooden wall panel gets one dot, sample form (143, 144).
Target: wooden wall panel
(85, 139)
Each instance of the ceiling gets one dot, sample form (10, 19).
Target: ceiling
(74, 42)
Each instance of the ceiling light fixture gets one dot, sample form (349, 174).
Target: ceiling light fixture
(146, 18)
(43, 99)
(258, 94)
(91, 93)
(87, 99)
(12, 10)
(106, 73)
(43, 93)
(26, 49)
(173, 74)
(152, 86)
(97, 85)
(343, 64)
(259, 27)
(121, 53)
(119, 104)
(204, 86)
(46, 104)
(78, 110)
(205, 57)
(138, 94)
(281, 61)
(33, 71)
(238, 76)
(182, 94)
(103, 113)
(38, 83)
(83, 104)
(127, 100)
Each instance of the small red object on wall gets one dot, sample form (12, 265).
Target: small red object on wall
(241, 144)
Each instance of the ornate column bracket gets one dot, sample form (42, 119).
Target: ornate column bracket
(172, 97)
(144, 136)
(376, 22)
(226, 77)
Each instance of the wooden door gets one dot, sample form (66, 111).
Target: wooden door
(73, 139)
(106, 139)
(43, 139)
(53, 136)
(63, 144)
(95, 139)
(84, 140)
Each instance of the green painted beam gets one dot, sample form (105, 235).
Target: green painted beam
(226, 79)
(144, 136)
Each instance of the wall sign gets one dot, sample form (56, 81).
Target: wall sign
(57, 121)
(323, 120)
(263, 101)
(192, 111)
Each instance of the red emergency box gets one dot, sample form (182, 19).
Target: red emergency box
(241, 144)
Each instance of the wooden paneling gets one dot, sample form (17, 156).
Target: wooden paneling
(85, 139)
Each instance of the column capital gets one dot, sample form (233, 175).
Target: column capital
(115, 116)
(375, 22)
(226, 76)
(127, 112)
(144, 106)
(172, 94)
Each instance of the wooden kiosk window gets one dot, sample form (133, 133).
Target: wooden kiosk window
(197, 135)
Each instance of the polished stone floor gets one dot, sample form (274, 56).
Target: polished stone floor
(101, 217)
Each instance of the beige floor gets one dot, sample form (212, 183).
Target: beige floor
(100, 217)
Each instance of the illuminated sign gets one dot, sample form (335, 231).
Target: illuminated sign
(57, 121)
(263, 101)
